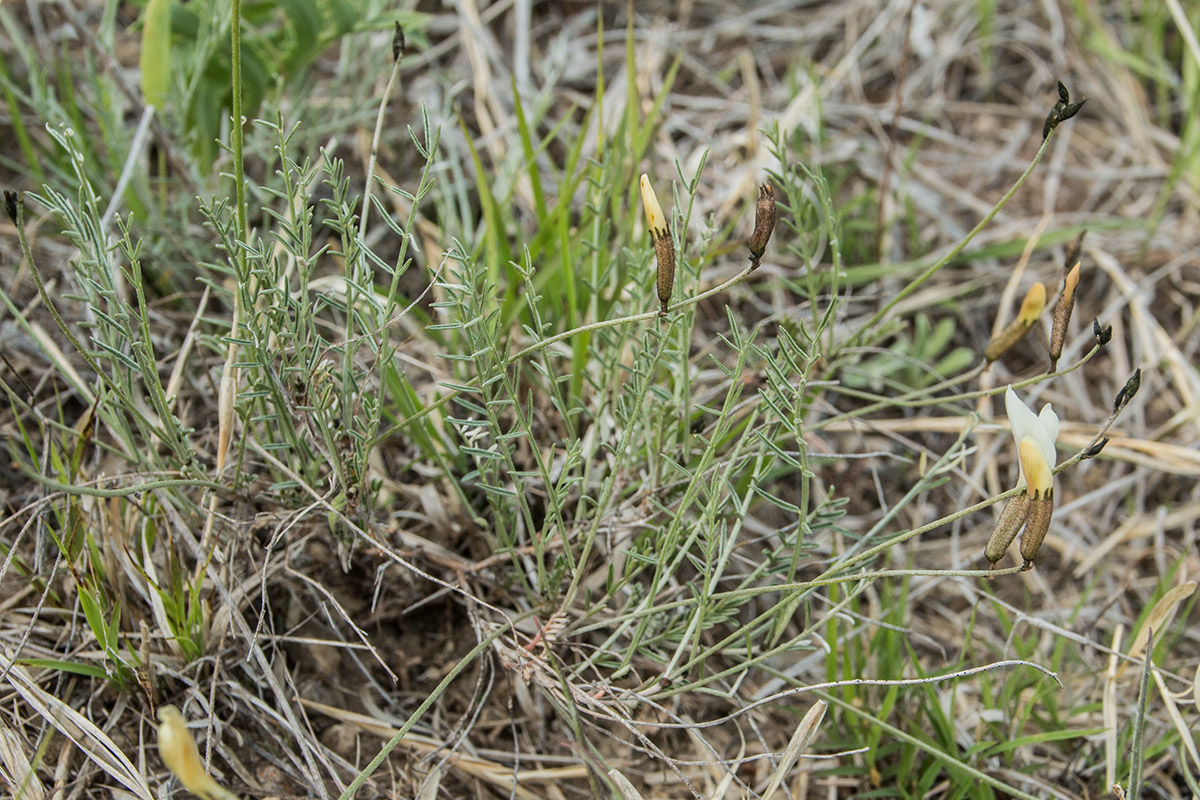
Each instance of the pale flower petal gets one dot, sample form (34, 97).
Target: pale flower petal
(1041, 429)
(655, 217)
(1049, 422)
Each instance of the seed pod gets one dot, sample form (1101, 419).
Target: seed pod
(1041, 510)
(664, 247)
(1010, 522)
(1031, 308)
(765, 216)
(665, 250)
(1062, 316)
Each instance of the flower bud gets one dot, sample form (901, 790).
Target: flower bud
(664, 247)
(1031, 309)
(1062, 316)
(765, 216)
(1032, 305)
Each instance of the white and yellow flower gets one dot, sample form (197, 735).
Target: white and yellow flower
(1033, 508)
(1034, 435)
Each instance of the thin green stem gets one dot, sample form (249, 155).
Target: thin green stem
(909, 400)
(124, 491)
(933, 269)
(239, 168)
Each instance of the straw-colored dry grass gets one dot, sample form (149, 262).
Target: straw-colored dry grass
(328, 611)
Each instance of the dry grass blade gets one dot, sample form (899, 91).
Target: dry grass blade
(1109, 709)
(16, 769)
(797, 746)
(93, 742)
(489, 772)
(627, 789)
(1181, 726)
(1136, 527)
(1196, 688)
(1160, 616)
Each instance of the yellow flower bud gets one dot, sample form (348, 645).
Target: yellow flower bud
(180, 754)
(1031, 309)
(664, 247)
(1032, 305)
(655, 218)
(1062, 316)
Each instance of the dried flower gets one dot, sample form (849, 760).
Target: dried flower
(1103, 335)
(1128, 390)
(1062, 315)
(664, 248)
(765, 216)
(1063, 110)
(1031, 309)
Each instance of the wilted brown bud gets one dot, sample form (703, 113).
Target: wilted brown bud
(1011, 520)
(1096, 449)
(1041, 510)
(1103, 335)
(10, 205)
(765, 217)
(1063, 110)
(1062, 316)
(1128, 390)
(1031, 308)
